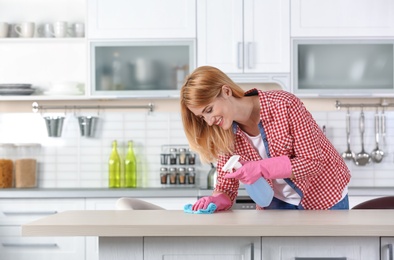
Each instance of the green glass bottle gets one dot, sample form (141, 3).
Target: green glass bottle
(114, 167)
(130, 167)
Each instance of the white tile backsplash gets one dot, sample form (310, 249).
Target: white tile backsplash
(75, 161)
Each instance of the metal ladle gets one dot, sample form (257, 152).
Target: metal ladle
(348, 154)
(377, 154)
(362, 158)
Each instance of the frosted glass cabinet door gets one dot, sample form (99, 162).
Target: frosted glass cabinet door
(197, 248)
(127, 19)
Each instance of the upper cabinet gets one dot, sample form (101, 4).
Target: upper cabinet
(47, 53)
(342, 18)
(130, 19)
(244, 37)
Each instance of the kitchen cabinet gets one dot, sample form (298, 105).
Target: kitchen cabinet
(386, 247)
(281, 248)
(40, 61)
(130, 19)
(92, 243)
(186, 248)
(15, 212)
(342, 18)
(244, 37)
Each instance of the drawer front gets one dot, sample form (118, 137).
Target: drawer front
(20, 211)
(284, 248)
(13, 246)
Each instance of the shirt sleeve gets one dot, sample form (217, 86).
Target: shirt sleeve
(228, 186)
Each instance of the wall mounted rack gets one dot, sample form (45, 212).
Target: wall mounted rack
(37, 108)
(384, 104)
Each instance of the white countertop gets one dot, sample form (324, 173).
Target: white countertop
(137, 223)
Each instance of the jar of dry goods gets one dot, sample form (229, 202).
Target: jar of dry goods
(173, 175)
(26, 165)
(7, 152)
(163, 175)
(182, 175)
(173, 155)
(182, 156)
(191, 175)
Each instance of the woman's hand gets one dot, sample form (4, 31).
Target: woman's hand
(221, 200)
(271, 168)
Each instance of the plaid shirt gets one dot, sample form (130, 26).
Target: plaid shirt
(320, 172)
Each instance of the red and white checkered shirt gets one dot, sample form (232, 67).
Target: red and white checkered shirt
(320, 172)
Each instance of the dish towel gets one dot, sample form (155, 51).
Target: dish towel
(209, 210)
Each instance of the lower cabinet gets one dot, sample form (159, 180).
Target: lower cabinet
(318, 248)
(207, 248)
(92, 249)
(15, 212)
(386, 248)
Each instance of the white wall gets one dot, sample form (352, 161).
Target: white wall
(75, 161)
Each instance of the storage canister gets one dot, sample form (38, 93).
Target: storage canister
(182, 175)
(191, 175)
(173, 175)
(163, 175)
(182, 156)
(7, 152)
(26, 165)
(173, 155)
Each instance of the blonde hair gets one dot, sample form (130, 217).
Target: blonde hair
(201, 88)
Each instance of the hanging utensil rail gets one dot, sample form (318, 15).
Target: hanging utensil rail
(36, 107)
(383, 104)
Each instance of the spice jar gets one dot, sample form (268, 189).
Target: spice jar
(182, 175)
(26, 165)
(173, 155)
(173, 175)
(191, 176)
(191, 158)
(163, 175)
(182, 156)
(7, 152)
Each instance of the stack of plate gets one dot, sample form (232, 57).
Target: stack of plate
(16, 89)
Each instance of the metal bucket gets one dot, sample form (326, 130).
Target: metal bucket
(54, 125)
(87, 125)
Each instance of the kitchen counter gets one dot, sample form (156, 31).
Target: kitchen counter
(169, 192)
(140, 223)
(160, 234)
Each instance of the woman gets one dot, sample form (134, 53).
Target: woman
(276, 137)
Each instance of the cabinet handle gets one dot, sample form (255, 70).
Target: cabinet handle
(29, 245)
(320, 258)
(240, 55)
(250, 55)
(29, 212)
(390, 252)
(252, 251)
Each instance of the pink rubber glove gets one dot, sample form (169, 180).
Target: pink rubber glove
(271, 168)
(221, 200)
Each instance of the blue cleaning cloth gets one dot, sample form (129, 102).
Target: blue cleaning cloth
(209, 210)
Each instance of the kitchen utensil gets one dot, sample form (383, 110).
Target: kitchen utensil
(377, 154)
(87, 125)
(211, 178)
(348, 154)
(383, 126)
(54, 125)
(260, 191)
(362, 158)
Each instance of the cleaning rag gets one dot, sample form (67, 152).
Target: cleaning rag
(209, 210)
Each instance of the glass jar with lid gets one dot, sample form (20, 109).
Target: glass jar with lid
(7, 156)
(191, 175)
(26, 165)
(182, 156)
(173, 175)
(182, 175)
(173, 155)
(163, 175)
